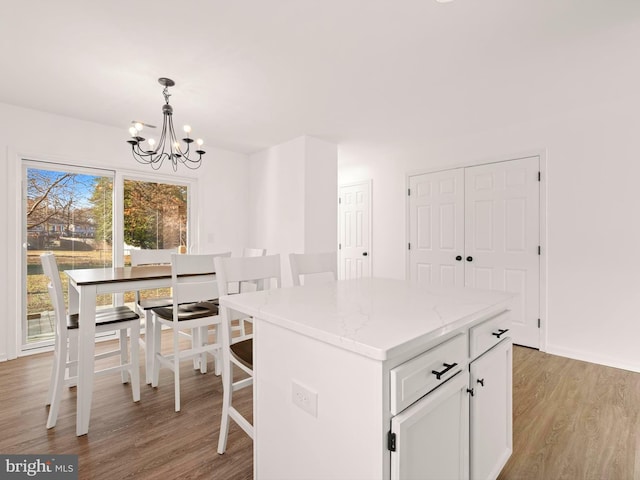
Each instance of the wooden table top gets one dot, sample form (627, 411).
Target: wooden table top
(91, 276)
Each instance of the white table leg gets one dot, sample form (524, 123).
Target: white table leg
(86, 353)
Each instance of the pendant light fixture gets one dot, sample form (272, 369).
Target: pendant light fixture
(168, 148)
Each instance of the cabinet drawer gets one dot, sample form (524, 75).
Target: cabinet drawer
(420, 375)
(487, 334)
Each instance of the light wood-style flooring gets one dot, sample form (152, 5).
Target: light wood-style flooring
(572, 420)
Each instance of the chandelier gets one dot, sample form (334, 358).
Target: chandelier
(168, 148)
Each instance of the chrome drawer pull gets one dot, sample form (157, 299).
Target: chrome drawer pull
(448, 366)
(501, 332)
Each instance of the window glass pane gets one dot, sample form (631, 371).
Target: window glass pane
(70, 214)
(155, 217)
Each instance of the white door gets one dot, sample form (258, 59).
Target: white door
(436, 239)
(490, 412)
(354, 217)
(480, 227)
(502, 238)
(431, 437)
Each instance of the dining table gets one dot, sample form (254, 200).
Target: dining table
(84, 287)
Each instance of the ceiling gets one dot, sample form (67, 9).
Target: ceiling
(254, 73)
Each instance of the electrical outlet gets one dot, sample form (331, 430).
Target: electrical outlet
(304, 398)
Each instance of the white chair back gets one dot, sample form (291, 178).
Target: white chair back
(254, 252)
(54, 286)
(151, 256)
(193, 278)
(313, 264)
(260, 270)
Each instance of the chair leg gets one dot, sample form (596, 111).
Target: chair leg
(217, 353)
(135, 363)
(176, 369)
(156, 349)
(148, 346)
(72, 357)
(227, 380)
(54, 374)
(195, 341)
(124, 354)
(59, 367)
(203, 340)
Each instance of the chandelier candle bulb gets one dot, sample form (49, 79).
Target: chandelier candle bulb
(168, 147)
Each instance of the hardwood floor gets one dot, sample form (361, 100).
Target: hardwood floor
(572, 420)
(126, 440)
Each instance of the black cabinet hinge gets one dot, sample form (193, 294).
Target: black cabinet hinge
(539, 176)
(391, 441)
(339, 200)
(539, 250)
(409, 245)
(409, 192)
(339, 246)
(538, 323)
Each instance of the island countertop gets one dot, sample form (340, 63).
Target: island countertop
(378, 318)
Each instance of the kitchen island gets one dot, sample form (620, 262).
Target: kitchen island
(375, 378)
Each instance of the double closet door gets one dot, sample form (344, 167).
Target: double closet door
(480, 227)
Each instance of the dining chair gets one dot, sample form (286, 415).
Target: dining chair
(241, 325)
(254, 252)
(237, 351)
(145, 257)
(65, 353)
(313, 266)
(194, 286)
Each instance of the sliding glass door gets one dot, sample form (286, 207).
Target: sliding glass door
(67, 210)
(92, 218)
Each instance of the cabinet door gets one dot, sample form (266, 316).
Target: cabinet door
(490, 412)
(436, 228)
(432, 436)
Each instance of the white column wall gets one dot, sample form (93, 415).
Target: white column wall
(321, 194)
(293, 188)
(24, 133)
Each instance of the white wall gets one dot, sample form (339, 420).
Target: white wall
(222, 189)
(593, 161)
(293, 199)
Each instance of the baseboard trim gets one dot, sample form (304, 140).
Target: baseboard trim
(592, 358)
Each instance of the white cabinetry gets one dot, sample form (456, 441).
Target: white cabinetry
(430, 439)
(490, 403)
(387, 362)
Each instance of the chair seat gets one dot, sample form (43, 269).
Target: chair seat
(151, 303)
(106, 316)
(189, 311)
(243, 351)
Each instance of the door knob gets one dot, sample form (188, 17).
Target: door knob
(364, 254)
(469, 259)
(459, 257)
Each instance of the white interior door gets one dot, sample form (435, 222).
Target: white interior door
(355, 234)
(436, 238)
(502, 238)
(480, 227)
